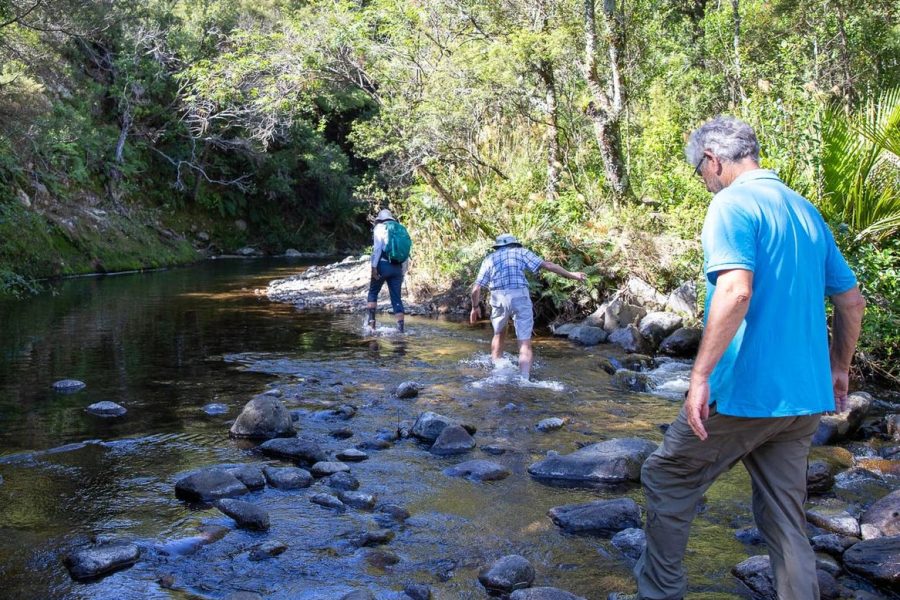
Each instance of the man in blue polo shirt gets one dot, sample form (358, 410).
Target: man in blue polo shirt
(764, 372)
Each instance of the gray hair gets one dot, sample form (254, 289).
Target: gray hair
(728, 138)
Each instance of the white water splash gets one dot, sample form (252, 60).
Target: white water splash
(380, 331)
(505, 371)
(670, 378)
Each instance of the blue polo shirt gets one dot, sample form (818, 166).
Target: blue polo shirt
(778, 364)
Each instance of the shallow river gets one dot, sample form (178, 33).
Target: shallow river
(166, 344)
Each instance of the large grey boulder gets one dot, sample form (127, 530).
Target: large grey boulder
(837, 427)
(209, 485)
(510, 573)
(600, 517)
(245, 514)
(877, 560)
(562, 329)
(609, 462)
(630, 339)
(657, 326)
(683, 342)
(250, 475)
(478, 470)
(587, 335)
(100, 560)
(620, 314)
(296, 449)
(543, 593)
(429, 425)
(288, 478)
(883, 518)
(264, 417)
(684, 299)
(407, 389)
(644, 293)
(630, 381)
(453, 439)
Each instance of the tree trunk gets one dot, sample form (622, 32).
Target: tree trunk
(607, 105)
(738, 93)
(554, 154)
(435, 184)
(846, 86)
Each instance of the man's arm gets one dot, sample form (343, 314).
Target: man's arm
(475, 313)
(849, 307)
(555, 268)
(729, 306)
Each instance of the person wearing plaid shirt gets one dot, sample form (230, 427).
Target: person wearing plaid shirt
(503, 271)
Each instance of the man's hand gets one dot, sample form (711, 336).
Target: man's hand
(474, 315)
(696, 406)
(579, 276)
(375, 274)
(840, 382)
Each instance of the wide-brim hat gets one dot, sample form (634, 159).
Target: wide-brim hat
(384, 215)
(506, 239)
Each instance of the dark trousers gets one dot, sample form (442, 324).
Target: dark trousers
(774, 451)
(392, 274)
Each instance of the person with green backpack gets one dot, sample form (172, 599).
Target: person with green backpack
(391, 246)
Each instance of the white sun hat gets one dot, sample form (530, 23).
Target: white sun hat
(506, 239)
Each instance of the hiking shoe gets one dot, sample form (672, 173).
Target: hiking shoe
(622, 596)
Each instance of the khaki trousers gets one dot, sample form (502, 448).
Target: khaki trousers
(675, 477)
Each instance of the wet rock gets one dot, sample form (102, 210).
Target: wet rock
(819, 477)
(209, 485)
(342, 433)
(100, 560)
(352, 455)
(587, 335)
(497, 449)
(832, 543)
(417, 591)
(245, 514)
(563, 330)
(243, 596)
(214, 409)
(407, 389)
(327, 500)
(883, 518)
(453, 439)
(607, 365)
(657, 326)
(600, 517)
(429, 425)
(620, 314)
(264, 417)
(630, 542)
(756, 574)
(359, 595)
(358, 500)
(68, 386)
(860, 486)
(327, 468)
(612, 461)
(644, 293)
(892, 426)
(543, 593)
(344, 412)
(342, 481)
(267, 550)
(374, 444)
(637, 362)
(372, 538)
(293, 253)
(510, 573)
(288, 478)
(828, 564)
(394, 512)
(250, 475)
(880, 466)
(478, 470)
(833, 518)
(106, 409)
(833, 428)
(630, 339)
(891, 452)
(630, 381)
(382, 558)
(877, 560)
(750, 536)
(684, 342)
(684, 299)
(296, 449)
(551, 424)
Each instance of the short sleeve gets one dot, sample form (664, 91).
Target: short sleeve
(838, 275)
(729, 238)
(532, 261)
(484, 273)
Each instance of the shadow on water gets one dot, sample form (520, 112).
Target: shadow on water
(166, 344)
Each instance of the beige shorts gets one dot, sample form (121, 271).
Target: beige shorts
(515, 304)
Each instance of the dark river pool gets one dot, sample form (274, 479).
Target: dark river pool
(166, 344)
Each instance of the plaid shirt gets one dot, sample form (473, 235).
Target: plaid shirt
(504, 269)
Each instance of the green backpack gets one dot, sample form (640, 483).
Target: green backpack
(398, 244)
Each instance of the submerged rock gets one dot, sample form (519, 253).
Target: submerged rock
(209, 485)
(478, 470)
(68, 386)
(297, 449)
(359, 500)
(106, 409)
(551, 424)
(613, 461)
(327, 500)
(630, 381)
(100, 560)
(601, 517)
(543, 593)
(215, 408)
(264, 417)
(342, 481)
(245, 514)
(510, 573)
(267, 550)
(453, 439)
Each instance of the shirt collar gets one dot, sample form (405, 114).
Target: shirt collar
(754, 175)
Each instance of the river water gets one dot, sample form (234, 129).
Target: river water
(166, 344)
